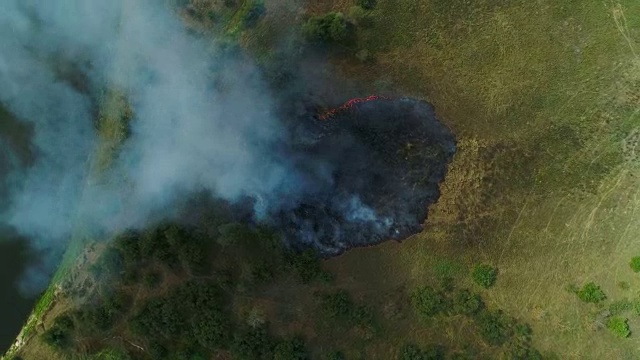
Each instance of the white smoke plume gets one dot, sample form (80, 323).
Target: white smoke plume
(202, 121)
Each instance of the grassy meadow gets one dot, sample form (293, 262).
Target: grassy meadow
(544, 98)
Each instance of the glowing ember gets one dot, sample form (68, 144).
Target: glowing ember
(349, 105)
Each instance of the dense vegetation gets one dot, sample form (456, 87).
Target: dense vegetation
(591, 293)
(328, 28)
(177, 292)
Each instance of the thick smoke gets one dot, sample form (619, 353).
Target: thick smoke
(191, 130)
(202, 121)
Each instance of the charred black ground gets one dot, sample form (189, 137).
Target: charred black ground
(375, 169)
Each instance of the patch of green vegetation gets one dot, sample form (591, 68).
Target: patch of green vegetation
(334, 355)
(307, 266)
(367, 4)
(635, 264)
(619, 326)
(58, 335)
(328, 28)
(247, 14)
(620, 306)
(591, 293)
(495, 326)
(339, 309)
(465, 302)
(293, 349)
(484, 275)
(413, 352)
(428, 302)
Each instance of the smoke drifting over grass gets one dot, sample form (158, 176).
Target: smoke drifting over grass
(202, 121)
(191, 131)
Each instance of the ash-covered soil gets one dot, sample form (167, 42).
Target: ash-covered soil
(374, 168)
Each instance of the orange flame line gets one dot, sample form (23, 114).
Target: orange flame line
(348, 105)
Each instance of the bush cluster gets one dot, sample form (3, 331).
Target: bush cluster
(307, 266)
(59, 335)
(329, 28)
(413, 352)
(484, 275)
(367, 4)
(339, 308)
(635, 264)
(591, 293)
(619, 326)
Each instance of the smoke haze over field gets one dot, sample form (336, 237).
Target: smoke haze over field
(185, 135)
(202, 121)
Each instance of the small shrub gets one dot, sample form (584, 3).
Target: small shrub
(520, 351)
(428, 302)
(337, 305)
(308, 266)
(293, 349)
(330, 27)
(495, 327)
(523, 331)
(465, 302)
(252, 343)
(635, 264)
(413, 352)
(362, 17)
(591, 293)
(619, 326)
(484, 275)
(334, 355)
(59, 335)
(367, 4)
(410, 352)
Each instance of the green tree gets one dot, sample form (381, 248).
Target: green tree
(337, 305)
(484, 275)
(591, 293)
(307, 265)
(59, 336)
(413, 352)
(428, 302)
(465, 302)
(334, 355)
(252, 344)
(495, 326)
(330, 27)
(293, 349)
(410, 352)
(619, 326)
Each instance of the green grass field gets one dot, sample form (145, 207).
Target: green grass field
(543, 96)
